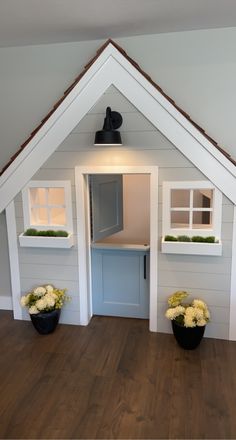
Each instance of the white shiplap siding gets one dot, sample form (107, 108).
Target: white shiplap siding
(51, 266)
(205, 277)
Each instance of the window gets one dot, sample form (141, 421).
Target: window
(47, 205)
(191, 209)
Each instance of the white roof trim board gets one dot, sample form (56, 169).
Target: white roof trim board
(111, 67)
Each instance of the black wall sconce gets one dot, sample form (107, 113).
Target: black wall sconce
(108, 135)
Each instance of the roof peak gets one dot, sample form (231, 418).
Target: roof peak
(99, 51)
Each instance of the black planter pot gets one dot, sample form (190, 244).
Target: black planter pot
(45, 323)
(187, 337)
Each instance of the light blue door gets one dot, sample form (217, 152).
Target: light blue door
(120, 283)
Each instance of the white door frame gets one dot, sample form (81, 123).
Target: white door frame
(83, 235)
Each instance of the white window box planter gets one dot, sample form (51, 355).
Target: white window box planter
(190, 248)
(46, 242)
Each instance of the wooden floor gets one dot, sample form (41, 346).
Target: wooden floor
(113, 379)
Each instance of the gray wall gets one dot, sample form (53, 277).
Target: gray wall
(205, 277)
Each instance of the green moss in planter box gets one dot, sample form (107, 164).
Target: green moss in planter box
(48, 233)
(194, 239)
(170, 238)
(30, 232)
(62, 234)
(200, 239)
(210, 239)
(183, 238)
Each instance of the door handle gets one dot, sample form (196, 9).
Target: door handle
(145, 267)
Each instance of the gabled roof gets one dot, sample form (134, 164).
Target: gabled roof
(107, 54)
(68, 90)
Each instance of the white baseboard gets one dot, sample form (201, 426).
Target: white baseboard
(6, 303)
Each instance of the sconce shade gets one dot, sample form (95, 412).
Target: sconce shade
(107, 138)
(108, 135)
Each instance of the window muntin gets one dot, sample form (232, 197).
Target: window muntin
(191, 208)
(47, 205)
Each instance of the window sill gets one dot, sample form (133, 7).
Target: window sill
(189, 248)
(46, 242)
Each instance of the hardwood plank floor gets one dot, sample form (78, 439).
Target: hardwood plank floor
(113, 380)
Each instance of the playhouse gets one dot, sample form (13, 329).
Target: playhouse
(175, 181)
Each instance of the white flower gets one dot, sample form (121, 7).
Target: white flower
(189, 319)
(172, 313)
(201, 322)
(49, 288)
(41, 304)
(39, 291)
(176, 299)
(198, 313)
(44, 298)
(33, 310)
(54, 295)
(50, 300)
(24, 300)
(199, 304)
(189, 315)
(188, 322)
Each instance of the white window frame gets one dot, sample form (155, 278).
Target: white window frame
(176, 247)
(48, 184)
(215, 230)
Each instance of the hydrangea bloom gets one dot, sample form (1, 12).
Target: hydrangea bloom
(50, 299)
(39, 291)
(24, 300)
(33, 310)
(49, 288)
(177, 298)
(201, 322)
(187, 315)
(172, 313)
(44, 299)
(41, 304)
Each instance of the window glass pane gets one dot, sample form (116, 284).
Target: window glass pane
(37, 196)
(180, 219)
(180, 198)
(56, 196)
(39, 216)
(57, 216)
(33, 216)
(202, 220)
(202, 198)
